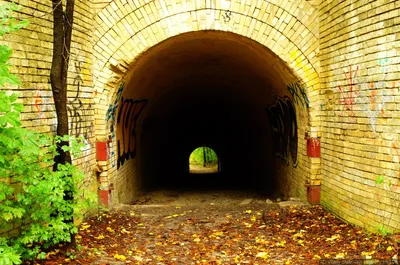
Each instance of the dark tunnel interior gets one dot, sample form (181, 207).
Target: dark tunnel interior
(207, 89)
(235, 130)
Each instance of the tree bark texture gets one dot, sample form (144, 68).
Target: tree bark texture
(62, 33)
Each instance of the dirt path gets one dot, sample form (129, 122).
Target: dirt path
(168, 227)
(199, 169)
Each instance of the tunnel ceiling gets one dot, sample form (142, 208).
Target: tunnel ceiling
(209, 65)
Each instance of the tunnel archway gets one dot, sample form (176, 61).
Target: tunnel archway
(214, 87)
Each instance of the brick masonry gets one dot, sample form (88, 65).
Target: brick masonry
(127, 29)
(360, 44)
(344, 54)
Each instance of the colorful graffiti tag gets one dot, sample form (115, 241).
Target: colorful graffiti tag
(348, 98)
(111, 118)
(112, 108)
(299, 96)
(42, 102)
(282, 116)
(128, 114)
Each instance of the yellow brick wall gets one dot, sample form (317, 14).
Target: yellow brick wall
(124, 30)
(360, 80)
(344, 52)
(106, 43)
(31, 62)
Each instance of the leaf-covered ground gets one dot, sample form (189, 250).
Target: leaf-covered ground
(223, 231)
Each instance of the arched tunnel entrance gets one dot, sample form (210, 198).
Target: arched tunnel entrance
(206, 88)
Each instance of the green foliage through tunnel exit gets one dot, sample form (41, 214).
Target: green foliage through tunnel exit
(203, 160)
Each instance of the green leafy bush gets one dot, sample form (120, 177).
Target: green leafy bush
(32, 195)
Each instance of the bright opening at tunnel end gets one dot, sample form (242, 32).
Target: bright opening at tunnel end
(203, 160)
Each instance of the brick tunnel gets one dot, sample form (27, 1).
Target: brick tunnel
(214, 89)
(262, 83)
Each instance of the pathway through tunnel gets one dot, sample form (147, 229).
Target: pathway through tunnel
(205, 88)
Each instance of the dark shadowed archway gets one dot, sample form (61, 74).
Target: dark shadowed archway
(212, 88)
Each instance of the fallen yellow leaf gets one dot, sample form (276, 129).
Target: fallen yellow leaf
(298, 235)
(389, 248)
(84, 226)
(366, 253)
(281, 244)
(340, 256)
(248, 211)
(99, 237)
(247, 225)
(334, 237)
(262, 255)
(124, 231)
(119, 257)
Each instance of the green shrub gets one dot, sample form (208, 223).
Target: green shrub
(32, 195)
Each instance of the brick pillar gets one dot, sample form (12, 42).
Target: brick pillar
(103, 155)
(313, 185)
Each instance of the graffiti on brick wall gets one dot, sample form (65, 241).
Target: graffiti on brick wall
(128, 114)
(376, 106)
(348, 95)
(111, 117)
(80, 112)
(226, 16)
(370, 96)
(299, 96)
(282, 117)
(377, 102)
(112, 108)
(379, 93)
(42, 102)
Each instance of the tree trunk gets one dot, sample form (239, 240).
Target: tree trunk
(204, 157)
(62, 32)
